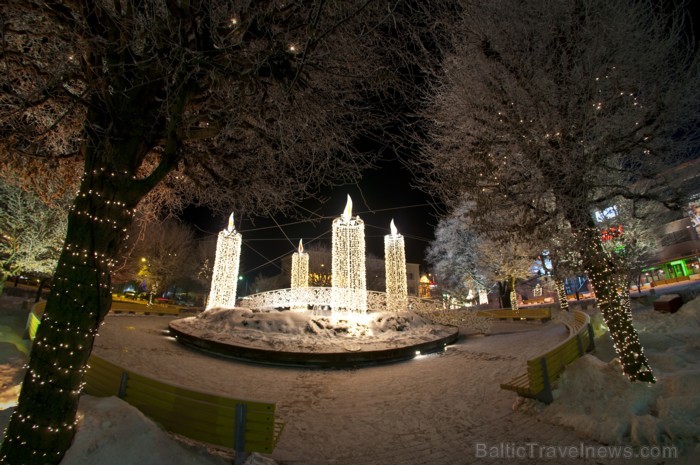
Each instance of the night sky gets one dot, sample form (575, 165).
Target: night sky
(381, 195)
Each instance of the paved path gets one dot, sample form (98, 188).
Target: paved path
(430, 410)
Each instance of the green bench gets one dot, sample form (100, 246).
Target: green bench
(542, 314)
(545, 368)
(142, 308)
(242, 425)
(678, 279)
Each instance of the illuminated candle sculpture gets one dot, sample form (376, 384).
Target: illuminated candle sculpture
(537, 291)
(225, 276)
(300, 275)
(395, 266)
(483, 296)
(349, 279)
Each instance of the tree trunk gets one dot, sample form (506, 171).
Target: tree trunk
(43, 424)
(614, 305)
(504, 293)
(39, 289)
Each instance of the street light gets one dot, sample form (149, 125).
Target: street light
(242, 279)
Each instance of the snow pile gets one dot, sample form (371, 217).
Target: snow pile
(310, 332)
(110, 431)
(13, 350)
(11, 372)
(595, 398)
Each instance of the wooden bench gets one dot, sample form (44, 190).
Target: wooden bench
(242, 425)
(545, 368)
(534, 301)
(543, 314)
(677, 279)
(142, 308)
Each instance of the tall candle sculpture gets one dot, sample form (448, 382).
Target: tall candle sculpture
(395, 267)
(225, 275)
(300, 276)
(349, 278)
(483, 296)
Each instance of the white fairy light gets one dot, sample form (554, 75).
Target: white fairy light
(300, 273)
(349, 278)
(225, 275)
(395, 267)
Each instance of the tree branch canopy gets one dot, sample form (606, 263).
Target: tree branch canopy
(302, 74)
(275, 92)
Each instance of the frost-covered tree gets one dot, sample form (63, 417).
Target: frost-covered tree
(630, 238)
(165, 254)
(452, 254)
(505, 262)
(551, 109)
(464, 259)
(320, 261)
(31, 232)
(237, 105)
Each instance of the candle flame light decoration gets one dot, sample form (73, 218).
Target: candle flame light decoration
(225, 275)
(349, 279)
(483, 296)
(300, 274)
(395, 267)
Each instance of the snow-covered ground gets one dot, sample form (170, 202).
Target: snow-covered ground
(438, 409)
(595, 398)
(303, 332)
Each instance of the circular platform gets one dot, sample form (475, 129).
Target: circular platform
(306, 339)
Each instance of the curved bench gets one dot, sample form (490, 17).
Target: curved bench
(545, 368)
(120, 305)
(242, 425)
(543, 314)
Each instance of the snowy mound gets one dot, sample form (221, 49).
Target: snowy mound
(107, 424)
(110, 431)
(595, 398)
(306, 332)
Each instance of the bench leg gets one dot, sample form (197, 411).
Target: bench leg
(591, 337)
(239, 438)
(546, 394)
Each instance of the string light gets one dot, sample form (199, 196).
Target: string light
(349, 278)
(80, 297)
(616, 308)
(561, 293)
(225, 274)
(395, 271)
